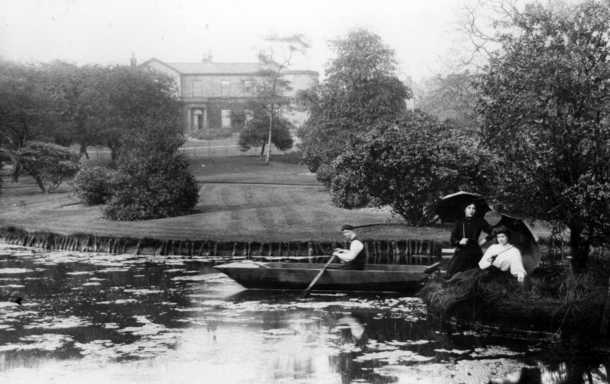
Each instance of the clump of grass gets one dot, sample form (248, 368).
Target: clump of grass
(551, 299)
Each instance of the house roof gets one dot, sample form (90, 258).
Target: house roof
(212, 68)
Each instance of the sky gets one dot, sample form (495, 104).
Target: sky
(424, 33)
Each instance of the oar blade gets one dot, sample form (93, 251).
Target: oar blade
(315, 279)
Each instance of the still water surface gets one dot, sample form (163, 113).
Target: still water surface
(99, 318)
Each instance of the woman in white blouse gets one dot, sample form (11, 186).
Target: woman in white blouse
(504, 256)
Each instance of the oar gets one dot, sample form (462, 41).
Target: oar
(432, 267)
(315, 279)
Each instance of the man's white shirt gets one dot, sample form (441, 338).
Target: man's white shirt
(355, 247)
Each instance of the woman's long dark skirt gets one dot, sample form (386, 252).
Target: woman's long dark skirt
(464, 259)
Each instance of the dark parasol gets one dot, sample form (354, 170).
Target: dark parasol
(521, 236)
(451, 207)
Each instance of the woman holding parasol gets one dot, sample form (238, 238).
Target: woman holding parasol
(465, 239)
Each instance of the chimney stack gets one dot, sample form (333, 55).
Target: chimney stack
(133, 62)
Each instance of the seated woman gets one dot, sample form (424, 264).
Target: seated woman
(503, 255)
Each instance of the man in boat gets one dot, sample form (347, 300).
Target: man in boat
(352, 258)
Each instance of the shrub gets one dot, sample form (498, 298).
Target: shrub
(325, 174)
(347, 192)
(348, 184)
(49, 164)
(310, 159)
(152, 187)
(256, 133)
(93, 184)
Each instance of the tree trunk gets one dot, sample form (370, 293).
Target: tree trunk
(268, 156)
(579, 247)
(38, 180)
(83, 150)
(114, 154)
(16, 168)
(603, 328)
(15, 162)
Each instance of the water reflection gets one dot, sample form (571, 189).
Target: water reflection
(135, 319)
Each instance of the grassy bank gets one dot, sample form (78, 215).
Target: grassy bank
(551, 299)
(241, 199)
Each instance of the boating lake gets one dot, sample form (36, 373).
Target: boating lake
(100, 318)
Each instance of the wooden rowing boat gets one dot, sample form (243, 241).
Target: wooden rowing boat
(277, 275)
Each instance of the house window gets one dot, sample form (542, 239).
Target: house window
(225, 86)
(226, 118)
(249, 115)
(197, 88)
(198, 119)
(248, 86)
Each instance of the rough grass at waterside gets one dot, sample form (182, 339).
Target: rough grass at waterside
(552, 299)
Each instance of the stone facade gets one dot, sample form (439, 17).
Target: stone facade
(211, 92)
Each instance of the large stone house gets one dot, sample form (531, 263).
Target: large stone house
(212, 92)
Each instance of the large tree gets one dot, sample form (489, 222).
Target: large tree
(24, 109)
(451, 97)
(361, 89)
(80, 105)
(89, 105)
(48, 164)
(152, 178)
(272, 88)
(545, 106)
(409, 166)
(22, 99)
(136, 101)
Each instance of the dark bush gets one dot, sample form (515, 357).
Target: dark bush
(348, 184)
(49, 164)
(325, 174)
(93, 184)
(152, 187)
(256, 133)
(347, 192)
(312, 161)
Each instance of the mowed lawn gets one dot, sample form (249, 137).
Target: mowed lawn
(240, 198)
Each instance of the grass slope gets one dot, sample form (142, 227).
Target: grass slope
(240, 198)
